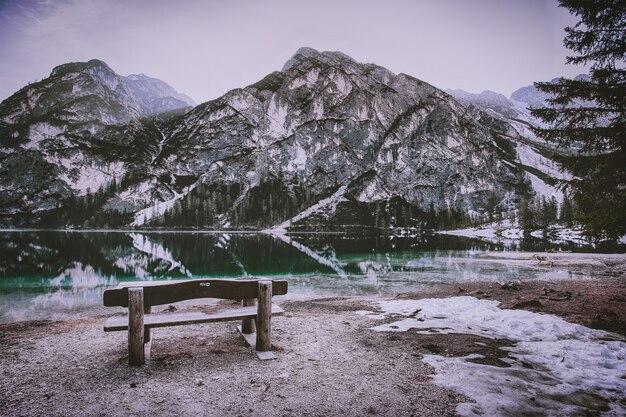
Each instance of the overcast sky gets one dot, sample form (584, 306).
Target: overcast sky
(205, 48)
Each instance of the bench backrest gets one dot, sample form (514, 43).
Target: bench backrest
(172, 291)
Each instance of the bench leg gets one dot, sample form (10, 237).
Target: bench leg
(264, 317)
(147, 336)
(247, 325)
(136, 354)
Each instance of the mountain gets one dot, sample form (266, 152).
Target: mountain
(325, 143)
(514, 107)
(72, 134)
(535, 98)
(155, 96)
(536, 155)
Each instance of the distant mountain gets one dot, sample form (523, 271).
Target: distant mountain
(155, 96)
(533, 153)
(326, 143)
(487, 100)
(535, 98)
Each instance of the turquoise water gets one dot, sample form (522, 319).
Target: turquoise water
(52, 274)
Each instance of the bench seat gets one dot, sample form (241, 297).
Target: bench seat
(155, 320)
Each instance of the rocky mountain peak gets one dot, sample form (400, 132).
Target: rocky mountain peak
(309, 54)
(93, 64)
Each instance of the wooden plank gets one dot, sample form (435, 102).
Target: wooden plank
(248, 325)
(171, 292)
(120, 323)
(266, 355)
(136, 352)
(264, 317)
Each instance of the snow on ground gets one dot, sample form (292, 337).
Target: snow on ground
(504, 232)
(157, 210)
(529, 156)
(557, 367)
(86, 175)
(544, 189)
(333, 199)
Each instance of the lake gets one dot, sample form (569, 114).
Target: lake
(60, 274)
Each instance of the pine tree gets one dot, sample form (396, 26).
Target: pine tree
(566, 216)
(589, 114)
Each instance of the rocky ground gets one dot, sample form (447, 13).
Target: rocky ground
(328, 363)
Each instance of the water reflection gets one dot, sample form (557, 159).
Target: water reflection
(53, 274)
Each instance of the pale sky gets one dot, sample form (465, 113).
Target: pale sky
(205, 48)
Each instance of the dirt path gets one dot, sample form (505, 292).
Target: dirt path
(329, 362)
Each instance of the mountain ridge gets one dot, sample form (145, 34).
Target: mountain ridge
(401, 151)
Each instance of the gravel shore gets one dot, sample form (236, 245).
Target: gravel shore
(329, 361)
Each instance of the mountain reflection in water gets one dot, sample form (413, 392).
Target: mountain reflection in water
(53, 274)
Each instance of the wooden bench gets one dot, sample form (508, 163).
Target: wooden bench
(141, 296)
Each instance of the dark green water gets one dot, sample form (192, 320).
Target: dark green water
(52, 274)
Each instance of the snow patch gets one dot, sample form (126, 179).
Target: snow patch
(544, 189)
(39, 132)
(555, 365)
(324, 203)
(453, 142)
(277, 115)
(145, 215)
(342, 84)
(530, 157)
(85, 177)
(318, 107)
(309, 79)
(220, 114)
(239, 102)
(372, 192)
(298, 161)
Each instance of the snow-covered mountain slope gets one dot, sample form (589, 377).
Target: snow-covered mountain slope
(533, 154)
(398, 151)
(327, 121)
(73, 134)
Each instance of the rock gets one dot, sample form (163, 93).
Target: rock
(479, 293)
(511, 285)
(199, 382)
(555, 295)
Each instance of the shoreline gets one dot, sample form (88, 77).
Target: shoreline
(552, 266)
(330, 362)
